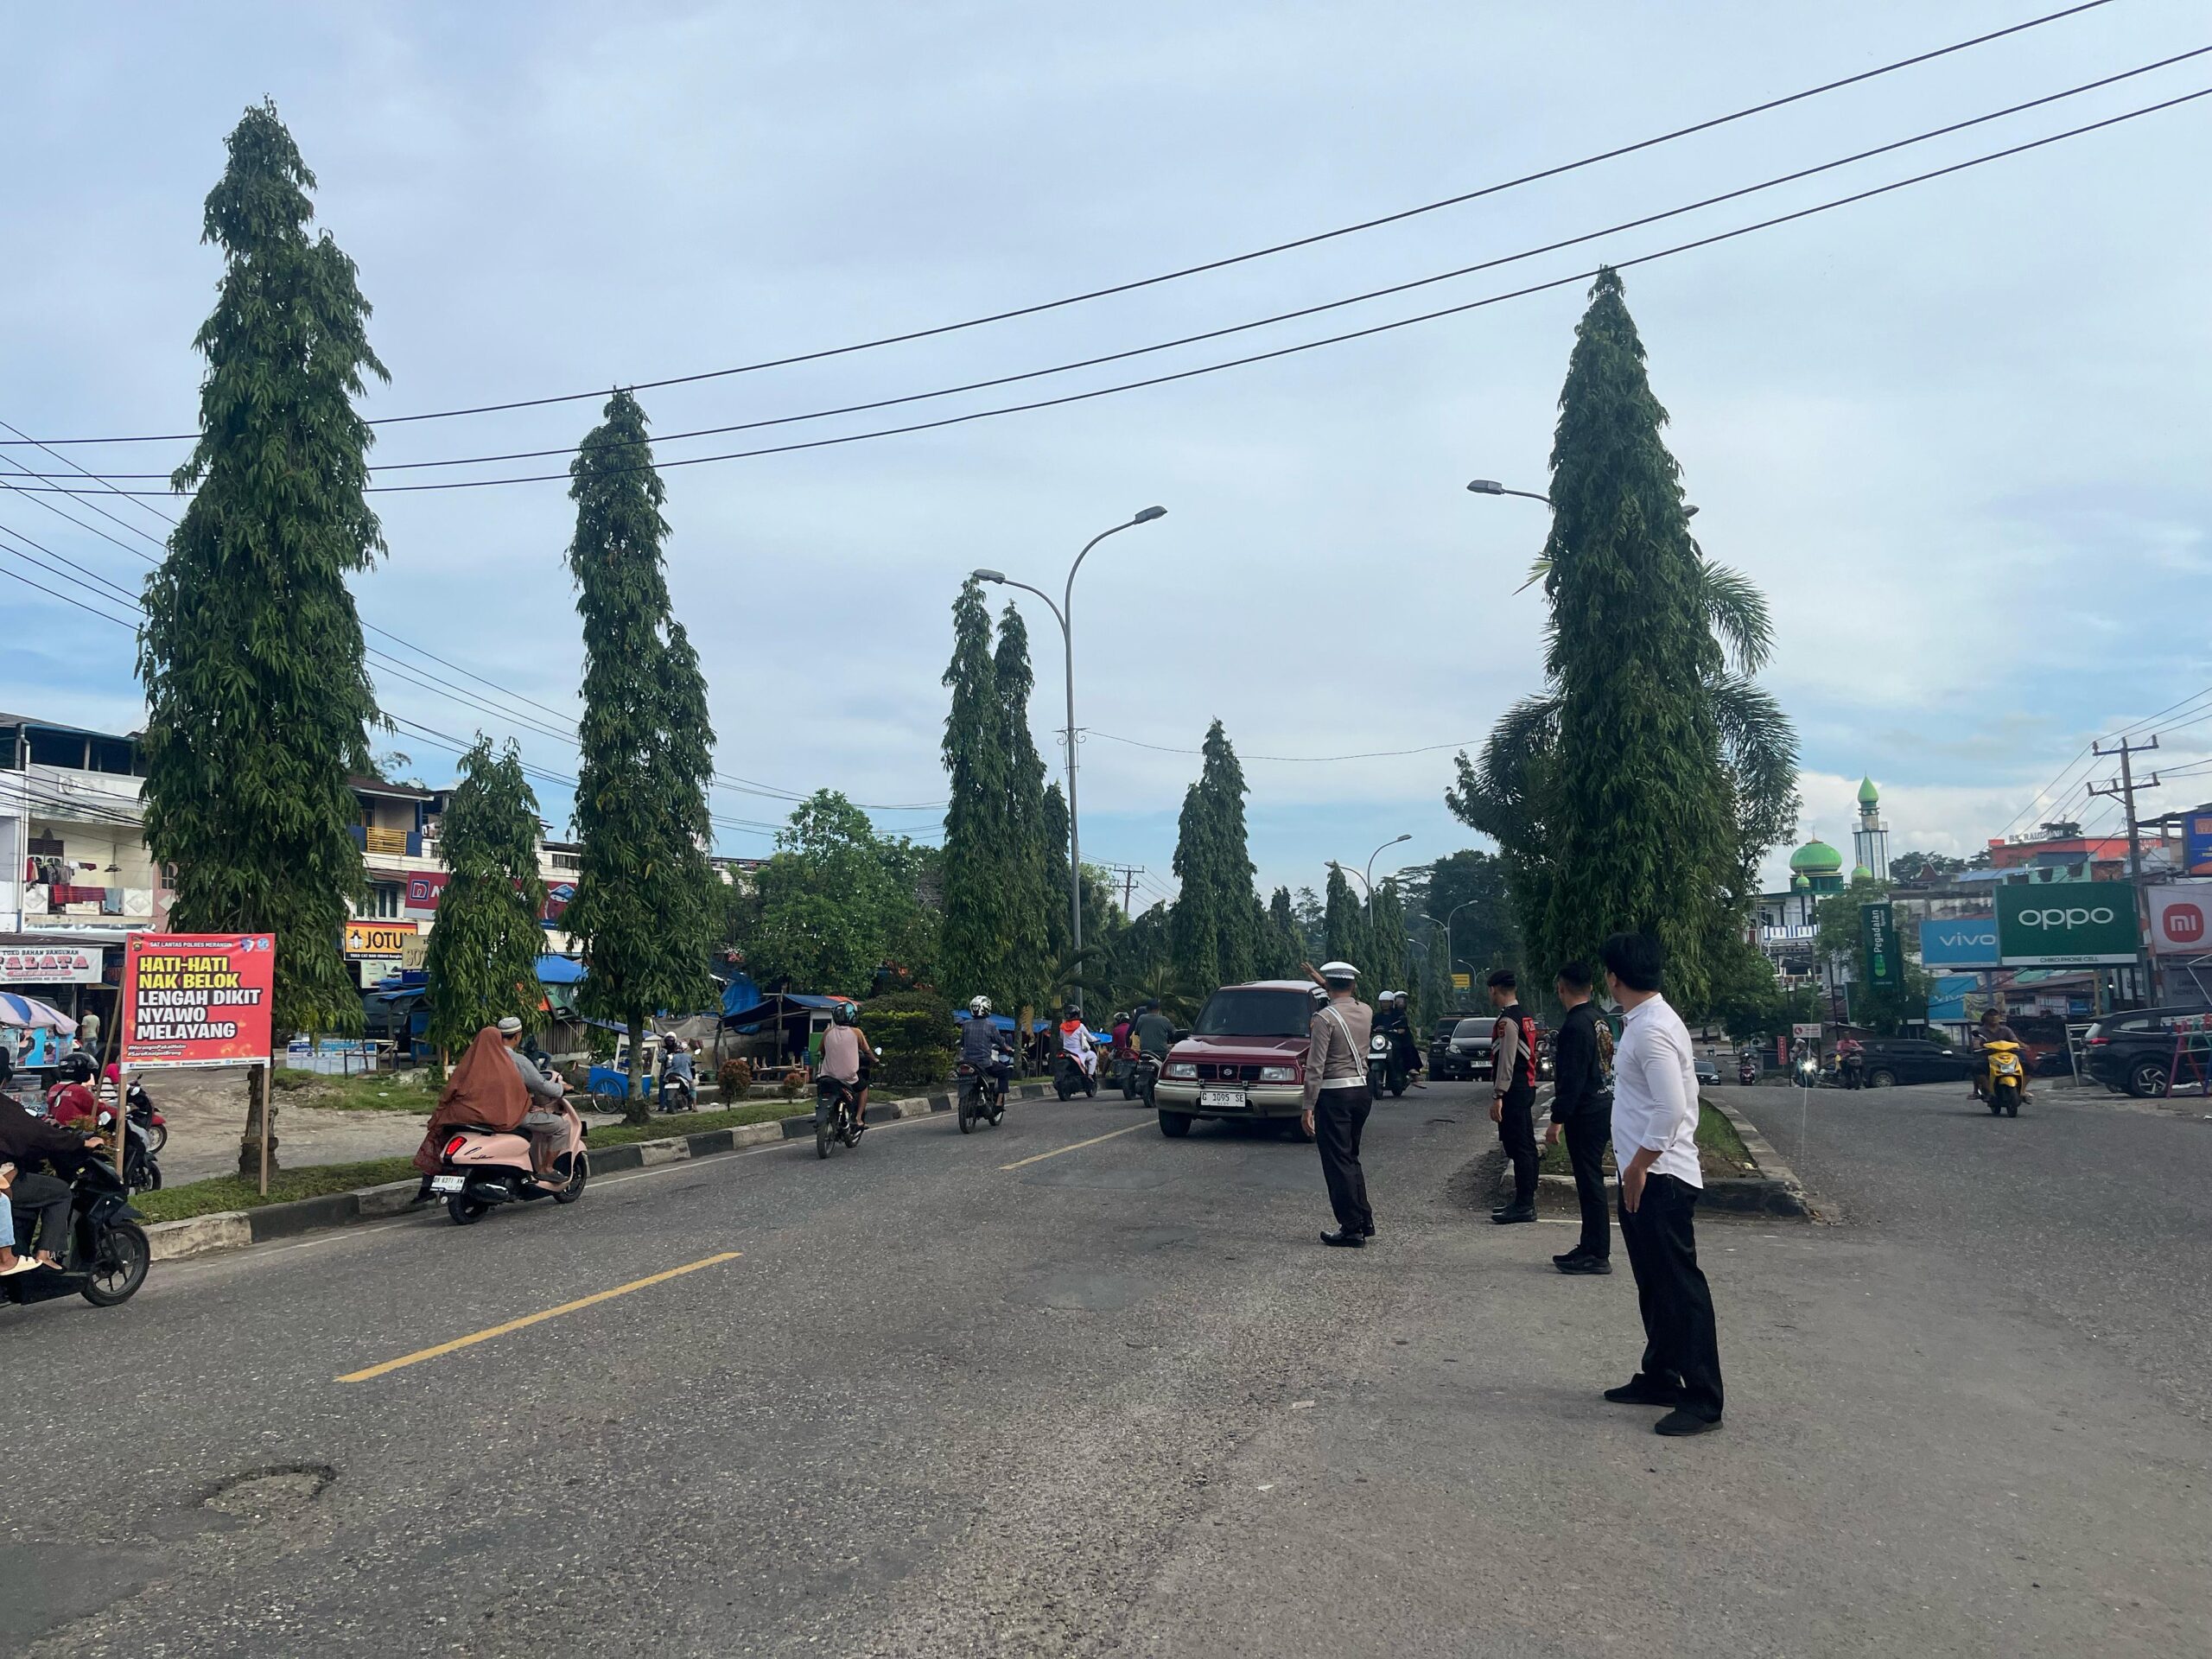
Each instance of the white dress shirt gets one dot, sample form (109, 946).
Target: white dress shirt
(1655, 1091)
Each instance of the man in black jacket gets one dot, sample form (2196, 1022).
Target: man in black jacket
(29, 1142)
(1582, 1109)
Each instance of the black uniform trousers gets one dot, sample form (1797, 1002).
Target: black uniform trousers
(1339, 1115)
(1516, 1132)
(1680, 1341)
(1585, 1135)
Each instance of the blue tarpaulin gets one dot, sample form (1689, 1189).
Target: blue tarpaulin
(560, 970)
(740, 994)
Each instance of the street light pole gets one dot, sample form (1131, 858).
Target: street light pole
(1064, 614)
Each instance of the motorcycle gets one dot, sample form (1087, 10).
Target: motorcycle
(141, 1172)
(1144, 1077)
(478, 1168)
(837, 1120)
(108, 1257)
(1070, 1076)
(678, 1093)
(981, 1097)
(2003, 1078)
(1386, 1072)
(1807, 1072)
(1747, 1070)
(143, 1114)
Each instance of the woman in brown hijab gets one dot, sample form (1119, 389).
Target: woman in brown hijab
(483, 1092)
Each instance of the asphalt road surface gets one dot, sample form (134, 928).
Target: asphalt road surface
(1071, 1387)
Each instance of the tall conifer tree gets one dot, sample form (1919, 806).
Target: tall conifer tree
(1286, 947)
(1641, 788)
(1030, 903)
(642, 903)
(1214, 933)
(482, 960)
(257, 697)
(1386, 939)
(1346, 928)
(979, 929)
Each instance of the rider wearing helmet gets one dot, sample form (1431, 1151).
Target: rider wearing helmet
(982, 1047)
(1392, 1020)
(846, 1056)
(1076, 1041)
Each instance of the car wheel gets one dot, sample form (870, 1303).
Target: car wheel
(2147, 1080)
(1882, 1078)
(1174, 1125)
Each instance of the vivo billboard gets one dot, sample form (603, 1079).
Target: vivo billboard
(2066, 924)
(1960, 942)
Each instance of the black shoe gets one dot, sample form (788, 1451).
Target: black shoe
(1344, 1239)
(1641, 1390)
(1566, 1256)
(1680, 1421)
(1512, 1213)
(1573, 1264)
(1368, 1232)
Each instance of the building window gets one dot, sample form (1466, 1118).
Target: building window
(385, 900)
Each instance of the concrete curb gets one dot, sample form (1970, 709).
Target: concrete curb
(234, 1230)
(1775, 1190)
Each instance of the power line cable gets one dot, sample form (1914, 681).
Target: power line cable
(1297, 313)
(1373, 329)
(1225, 263)
(1308, 760)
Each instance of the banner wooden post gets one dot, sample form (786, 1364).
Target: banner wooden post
(122, 1087)
(263, 1076)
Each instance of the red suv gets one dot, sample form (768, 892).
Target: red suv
(1244, 1059)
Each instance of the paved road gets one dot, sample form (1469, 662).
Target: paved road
(1059, 1390)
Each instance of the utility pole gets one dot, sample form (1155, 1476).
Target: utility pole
(1129, 872)
(2123, 788)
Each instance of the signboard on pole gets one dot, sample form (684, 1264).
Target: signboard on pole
(1463, 981)
(2178, 916)
(2196, 845)
(197, 999)
(2078, 925)
(1809, 1030)
(49, 964)
(1878, 929)
(1959, 942)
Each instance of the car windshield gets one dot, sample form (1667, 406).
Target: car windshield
(1472, 1028)
(1254, 1013)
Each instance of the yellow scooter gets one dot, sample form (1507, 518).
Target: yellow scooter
(2005, 1079)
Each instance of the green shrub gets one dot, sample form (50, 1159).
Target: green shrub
(915, 1031)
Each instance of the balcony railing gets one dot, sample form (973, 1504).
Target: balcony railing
(389, 844)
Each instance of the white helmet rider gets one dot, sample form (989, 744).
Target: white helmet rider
(979, 1008)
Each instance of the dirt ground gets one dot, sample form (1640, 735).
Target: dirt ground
(206, 1110)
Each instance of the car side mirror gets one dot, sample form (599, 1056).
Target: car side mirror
(1182, 1032)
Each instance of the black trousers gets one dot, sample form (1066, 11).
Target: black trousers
(1585, 1135)
(1680, 1341)
(48, 1200)
(1516, 1132)
(1338, 1116)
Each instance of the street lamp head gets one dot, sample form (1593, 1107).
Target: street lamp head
(1408, 836)
(1145, 516)
(1487, 487)
(988, 576)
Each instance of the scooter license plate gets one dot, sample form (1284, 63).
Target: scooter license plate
(449, 1183)
(1229, 1100)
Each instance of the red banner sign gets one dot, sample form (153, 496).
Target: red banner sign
(197, 1000)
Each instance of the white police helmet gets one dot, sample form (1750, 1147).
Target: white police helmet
(1338, 971)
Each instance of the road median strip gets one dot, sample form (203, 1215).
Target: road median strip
(223, 1231)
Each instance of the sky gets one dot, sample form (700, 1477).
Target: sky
(1955, 433)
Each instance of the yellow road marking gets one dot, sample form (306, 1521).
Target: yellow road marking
(1023, 1163)
(459, 1343)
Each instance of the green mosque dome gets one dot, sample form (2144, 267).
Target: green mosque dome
(1867, 793)
(1816, 857)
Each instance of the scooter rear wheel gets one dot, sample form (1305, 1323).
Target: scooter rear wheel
(465, 1210)
(966, 1108)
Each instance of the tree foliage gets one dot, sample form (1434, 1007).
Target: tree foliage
(1642, 787)
(482, 959)
(258, 701)
(1215, 928)
(1840, 943)
(980, 926)
(1345, 924)
(643, 907)
(1284, 954)
(1916, 869)
(1031, 903)
(1386, 939)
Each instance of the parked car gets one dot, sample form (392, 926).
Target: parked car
(1244, 1059)
(1444, 1066)
(1470, 1044)
(1891, 1061)
(2133, 1053)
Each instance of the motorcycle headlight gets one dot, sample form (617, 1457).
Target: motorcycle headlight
(1278, 1074)
(1182, 1069)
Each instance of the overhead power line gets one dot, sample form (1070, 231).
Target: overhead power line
(1370, 331)
(1221, 263)
(1292, 760)
(1201, 337)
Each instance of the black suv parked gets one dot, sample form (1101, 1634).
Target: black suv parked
(2133, 1053)
(1894, 1060)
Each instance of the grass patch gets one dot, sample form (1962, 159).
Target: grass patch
(1720, 1152)
(376, 1091)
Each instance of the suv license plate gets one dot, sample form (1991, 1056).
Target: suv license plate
(449, 1183)
(1227, 1099)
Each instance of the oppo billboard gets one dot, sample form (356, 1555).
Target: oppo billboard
(2065, 924)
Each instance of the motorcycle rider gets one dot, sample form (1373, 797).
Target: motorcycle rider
(677, 1066)
(1994, 1028)
(31, 1143)
(544, 1122)
(1154, 1032)
(845, 1057)
(1076, 1041)
(982, 1047)
(1392, 1020)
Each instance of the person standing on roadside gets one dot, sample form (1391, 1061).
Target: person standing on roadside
(1513, 1094)
(1654, 1144)
(1582, 1106)
(1336, 1101)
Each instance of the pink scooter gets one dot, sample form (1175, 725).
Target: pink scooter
(478, 1168)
